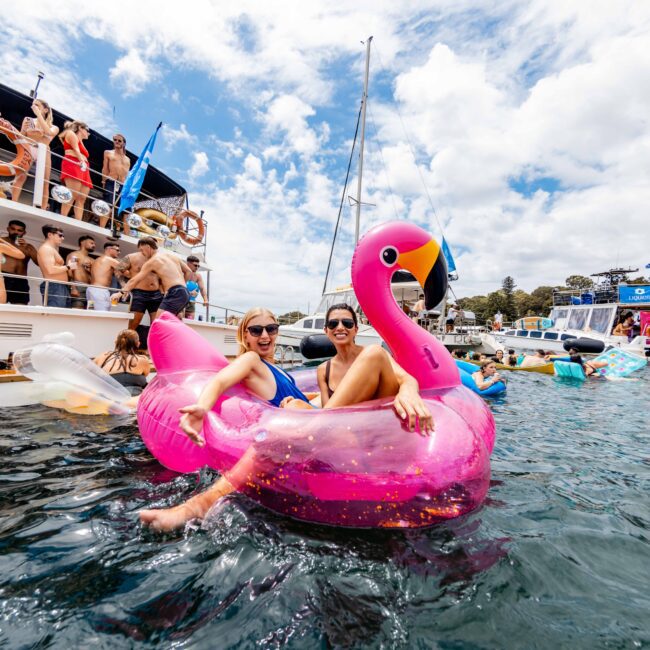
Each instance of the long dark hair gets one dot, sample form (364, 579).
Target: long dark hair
(126, 350)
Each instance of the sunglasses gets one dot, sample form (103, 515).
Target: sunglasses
(117, 140)
(256, 330)
(333, 323)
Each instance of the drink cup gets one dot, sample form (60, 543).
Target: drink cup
(72, 264)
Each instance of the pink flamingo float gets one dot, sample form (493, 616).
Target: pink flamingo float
(354, 466)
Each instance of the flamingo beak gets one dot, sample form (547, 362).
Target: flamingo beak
(429, 267)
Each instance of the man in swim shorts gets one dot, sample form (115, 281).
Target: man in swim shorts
(195, 286)
(172, 272)
(102, 272)
(18, 288)
(114, 172)
(146, 295)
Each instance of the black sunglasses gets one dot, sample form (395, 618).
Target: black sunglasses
(333, 323)
(256, 330)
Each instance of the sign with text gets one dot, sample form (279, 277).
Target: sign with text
(634, 294)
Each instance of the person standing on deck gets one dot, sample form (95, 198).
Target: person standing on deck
(53, 268)
(195, 286)
(18, 288)
(172, 272)
(145, 295)
(82, 273)
(114, 172)
(101, 275)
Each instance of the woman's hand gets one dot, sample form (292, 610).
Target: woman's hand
(192, 423)
(409, 404)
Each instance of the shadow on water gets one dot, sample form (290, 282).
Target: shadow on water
(556, 556)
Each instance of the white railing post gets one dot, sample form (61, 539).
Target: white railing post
(39, 176)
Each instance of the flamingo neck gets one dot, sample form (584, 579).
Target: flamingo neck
(417, 351)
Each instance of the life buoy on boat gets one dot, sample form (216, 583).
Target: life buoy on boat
(191, 240)
(24, 159)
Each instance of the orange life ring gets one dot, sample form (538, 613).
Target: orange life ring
(24, 159)
(190, 239)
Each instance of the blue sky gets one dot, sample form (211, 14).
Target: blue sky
(521, 128)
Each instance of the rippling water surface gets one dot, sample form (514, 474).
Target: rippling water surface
(558, 555)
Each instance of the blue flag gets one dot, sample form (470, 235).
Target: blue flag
(451, 265)
(647, 266)
(134, 180)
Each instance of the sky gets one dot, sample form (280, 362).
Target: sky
(519, 130)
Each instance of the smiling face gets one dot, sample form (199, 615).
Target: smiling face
(264, 344)
(344, 329)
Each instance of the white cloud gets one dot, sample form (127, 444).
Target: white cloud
(133, 73)
(201, 165)
(172, 136)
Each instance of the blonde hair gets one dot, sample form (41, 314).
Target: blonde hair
(73, 126)
(49, 119)
(248, 317)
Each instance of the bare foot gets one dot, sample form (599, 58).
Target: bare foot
(169, 519)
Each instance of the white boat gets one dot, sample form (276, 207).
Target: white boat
(586, 319)
(94, 331)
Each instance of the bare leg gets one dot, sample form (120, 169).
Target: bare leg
(73, 185)
(17, 187)
(79, 201)
(198, 506)
(371, 376)
(3, 293)
(135, 321)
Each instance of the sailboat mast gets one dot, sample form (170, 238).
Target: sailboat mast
(364, 101)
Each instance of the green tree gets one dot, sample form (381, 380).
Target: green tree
(476, 304)
(541, 300)
(522, 303)
(507, 288)
(579, 282)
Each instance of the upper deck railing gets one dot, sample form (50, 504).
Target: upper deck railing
(38, 186)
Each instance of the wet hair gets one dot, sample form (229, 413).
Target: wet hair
(15, 222)
(48, 118)
(243, 324)
(511, 351)
(457, 354)
(83, 238)
(50, 229)
(345, 307)
(193, 258)
(126, 349)
(540, 351)
(485, 363)
(148, 241)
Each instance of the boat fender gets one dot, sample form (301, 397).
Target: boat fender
(317, 346)
(585, 345)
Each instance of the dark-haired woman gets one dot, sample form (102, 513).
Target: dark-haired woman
(75, 171)
(124, 364)
(358, 374)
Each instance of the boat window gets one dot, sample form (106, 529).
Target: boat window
(308, 323)
(522, 332)
(600, 318)
(566, 337)
(319, 323)
(559, 313)
(511, 333)
(578, 319)
(535, 335)
(552, 336)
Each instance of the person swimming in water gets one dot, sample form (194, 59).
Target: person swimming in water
(590, 368)
(365, 379)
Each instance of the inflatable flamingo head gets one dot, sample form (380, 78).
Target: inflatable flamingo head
(400, 245)
(382, 251)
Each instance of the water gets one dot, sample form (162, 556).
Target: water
(557, 557)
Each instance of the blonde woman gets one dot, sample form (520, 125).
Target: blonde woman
(11, 251)
(40, 130)
(75, 170)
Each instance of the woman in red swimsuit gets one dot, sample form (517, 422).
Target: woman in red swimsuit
(75, 172)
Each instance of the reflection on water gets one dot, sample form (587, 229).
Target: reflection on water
(556, 557)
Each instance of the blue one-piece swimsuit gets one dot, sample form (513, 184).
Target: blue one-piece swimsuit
(286, 386)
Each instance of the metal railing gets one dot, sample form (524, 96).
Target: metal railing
(95, 193)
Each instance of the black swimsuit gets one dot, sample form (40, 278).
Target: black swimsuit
(125, 378)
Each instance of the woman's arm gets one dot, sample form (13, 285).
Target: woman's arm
(408, 401)
(192, 420)
(45, 127)
(481, 382)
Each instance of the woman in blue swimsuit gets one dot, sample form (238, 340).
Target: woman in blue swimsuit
(255, 369)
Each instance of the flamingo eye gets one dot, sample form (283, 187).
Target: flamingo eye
(388, 256)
